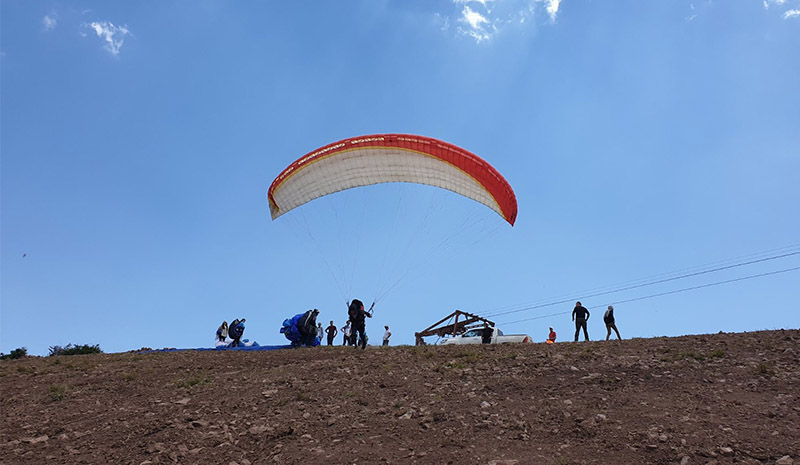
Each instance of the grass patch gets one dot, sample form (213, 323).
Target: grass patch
(191, 382)
(57, 392)
(26, 370)
(467, 356)
(763, 369)
(129, 376)
(302, 397)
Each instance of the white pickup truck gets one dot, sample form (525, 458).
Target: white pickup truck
(475, 336)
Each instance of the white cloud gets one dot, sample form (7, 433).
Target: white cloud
(113, 36)
(552, 8)
(478, 24)
(483, 19)
(49, 22)
(473, 18)
(482, 2)
(791, 14)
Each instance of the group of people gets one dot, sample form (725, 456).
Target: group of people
(235, 331)
(303, 329)
(349, 336)
(580, 315)
(354, 332)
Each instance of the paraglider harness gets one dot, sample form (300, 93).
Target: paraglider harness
(235, 331)
(301, 329)
(307, 325)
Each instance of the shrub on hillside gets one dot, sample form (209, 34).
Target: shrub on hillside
(15, 354)
(75, 349)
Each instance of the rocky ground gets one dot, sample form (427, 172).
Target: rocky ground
(709, 399)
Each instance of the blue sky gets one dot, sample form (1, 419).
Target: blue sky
(138, 140)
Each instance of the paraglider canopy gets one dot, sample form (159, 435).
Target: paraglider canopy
(384, 158)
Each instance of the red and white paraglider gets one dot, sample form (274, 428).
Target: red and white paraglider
(383, 158)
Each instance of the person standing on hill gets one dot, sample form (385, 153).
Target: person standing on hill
(358, 319)
(386, 335)
(579, 316)
(346, 333)
(320, 332)
(222, 331)
(486, 334)
(608, 319)
(332, 332)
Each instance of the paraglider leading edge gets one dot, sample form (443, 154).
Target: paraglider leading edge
(416, 159)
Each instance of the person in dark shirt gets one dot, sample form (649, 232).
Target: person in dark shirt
(579, 316)
(358, 319)
(332, 331)
(608, 319)
(486, 336)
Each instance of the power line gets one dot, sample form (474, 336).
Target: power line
(650, 283)
(615, 287)
(660, 294)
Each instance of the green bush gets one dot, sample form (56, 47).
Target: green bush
(15, 354)
(75, 349)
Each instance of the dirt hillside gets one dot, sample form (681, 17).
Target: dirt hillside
(709, 399)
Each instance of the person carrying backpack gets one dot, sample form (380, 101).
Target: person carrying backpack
(358, 319)
(608, 319)
(235, 331)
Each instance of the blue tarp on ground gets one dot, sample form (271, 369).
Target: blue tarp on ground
(254, 346)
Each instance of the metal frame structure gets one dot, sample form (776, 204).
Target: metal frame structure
(470, 321)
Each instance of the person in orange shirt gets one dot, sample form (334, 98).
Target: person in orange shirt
(551, 339)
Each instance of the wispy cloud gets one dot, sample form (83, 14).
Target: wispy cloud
(791, 14)
(483, 19)
(482, 2)
(552, 8)
(473, 18)
(777, 2)
(49, 22)
(442, 21)
(113, 36)
(477, 26)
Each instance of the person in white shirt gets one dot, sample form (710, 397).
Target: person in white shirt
(346, 334)
(386, 335)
